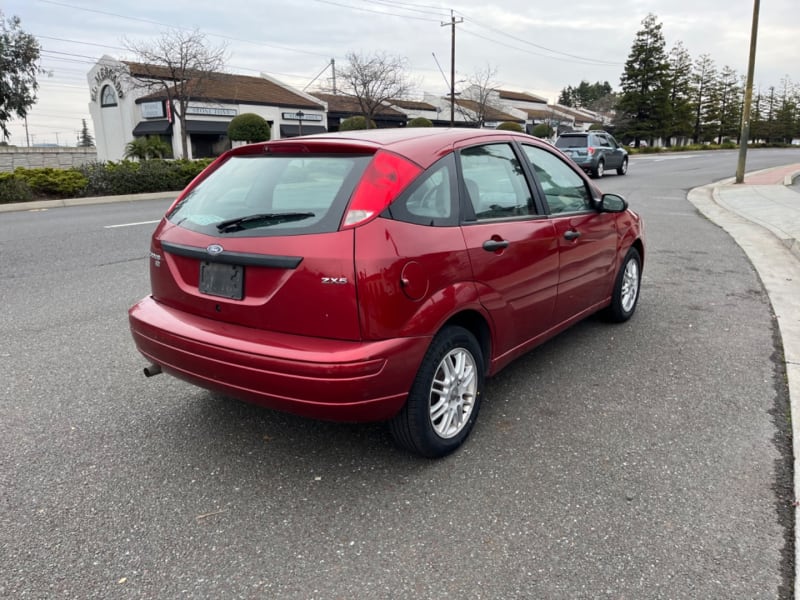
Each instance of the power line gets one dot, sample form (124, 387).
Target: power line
(379, 12)
(551, 50)
(173, 26)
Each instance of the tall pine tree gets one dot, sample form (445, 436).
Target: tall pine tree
(85, 139)
(645, 98)
(730, 104)
(680, 74)
(705, 101)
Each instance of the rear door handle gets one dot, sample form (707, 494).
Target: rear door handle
(494, 245)
(572, 235)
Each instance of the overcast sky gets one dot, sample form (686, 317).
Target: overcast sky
(538, 46)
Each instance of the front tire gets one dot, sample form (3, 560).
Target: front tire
(623, 168)
(445, 397)
(600, 169)
(626, 288)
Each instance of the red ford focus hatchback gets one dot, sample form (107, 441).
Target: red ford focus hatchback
(383, 274)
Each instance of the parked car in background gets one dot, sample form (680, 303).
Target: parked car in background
(381, 274)
(594, 152)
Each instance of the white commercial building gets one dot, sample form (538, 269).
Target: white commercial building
(123, 110)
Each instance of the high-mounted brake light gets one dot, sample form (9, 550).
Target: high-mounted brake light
(384, 178)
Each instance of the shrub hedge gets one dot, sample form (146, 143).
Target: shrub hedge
(99, 179)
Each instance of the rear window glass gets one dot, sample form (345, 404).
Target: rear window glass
(571, 141)
(272, 195)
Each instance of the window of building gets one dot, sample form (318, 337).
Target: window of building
(108, 97)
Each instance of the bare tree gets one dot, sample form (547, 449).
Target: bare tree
(373, 80)
(180, 64)
(476, 99)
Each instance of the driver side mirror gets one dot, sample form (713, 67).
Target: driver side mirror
(613, 203)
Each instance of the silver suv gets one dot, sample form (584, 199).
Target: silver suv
(594, 152)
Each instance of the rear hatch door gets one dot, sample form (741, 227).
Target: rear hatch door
(257, 243)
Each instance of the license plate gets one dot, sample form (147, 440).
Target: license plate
(218, 279)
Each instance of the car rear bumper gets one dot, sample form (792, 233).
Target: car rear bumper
(314, 377)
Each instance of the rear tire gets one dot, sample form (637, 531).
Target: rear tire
(626, 288)
(600, 169)
(445, 397)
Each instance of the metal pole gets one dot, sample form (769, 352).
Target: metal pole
(748, 98)
(452, 69)
(453, 23)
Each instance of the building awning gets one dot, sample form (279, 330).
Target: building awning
(207, 127)
(294, 130)
(162, 127)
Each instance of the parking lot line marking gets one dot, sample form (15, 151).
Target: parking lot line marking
(131, 224)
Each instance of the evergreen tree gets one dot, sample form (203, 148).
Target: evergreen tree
(19, 66)
(705, 98)
(585, 95)
(680, 74)
(645, 99)
(567, 96)
(730, 104)
(769, 116)
(85, 139)
(785, 115)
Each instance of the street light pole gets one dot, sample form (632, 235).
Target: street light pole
(300, 115)
(748, 97)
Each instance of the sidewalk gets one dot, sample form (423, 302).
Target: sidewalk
(763, 216)
(44, 204)
(764, 198)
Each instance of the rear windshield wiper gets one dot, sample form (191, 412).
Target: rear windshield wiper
(261, 220)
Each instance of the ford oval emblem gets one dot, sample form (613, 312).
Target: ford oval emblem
(214, 249)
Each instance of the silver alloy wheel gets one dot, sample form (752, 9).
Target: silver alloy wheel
(453, 390)
(624, 168)
(601, 169)
(630, 285)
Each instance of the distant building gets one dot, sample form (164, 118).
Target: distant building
(341, 107)
(122, 112)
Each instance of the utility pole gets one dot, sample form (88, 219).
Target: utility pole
(748, 97)
(453, 22)
(27, 137)
(333, 71)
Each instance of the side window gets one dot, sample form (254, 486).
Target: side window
(563, 188)
(495, 182)
(430, 200)
(603, 141)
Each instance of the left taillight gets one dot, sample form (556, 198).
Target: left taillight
(386, 176)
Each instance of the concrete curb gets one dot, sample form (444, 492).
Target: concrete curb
(47, 204)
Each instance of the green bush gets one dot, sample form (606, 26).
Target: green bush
(542, 130)
(420, 122)
(13, 189)
(510, 126)
(354, 123)
(49, 182)
(249, 127)
(99, 179)
(146, 148)
(128, 177)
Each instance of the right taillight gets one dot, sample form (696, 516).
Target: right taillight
(590, 150)
(384, 178)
